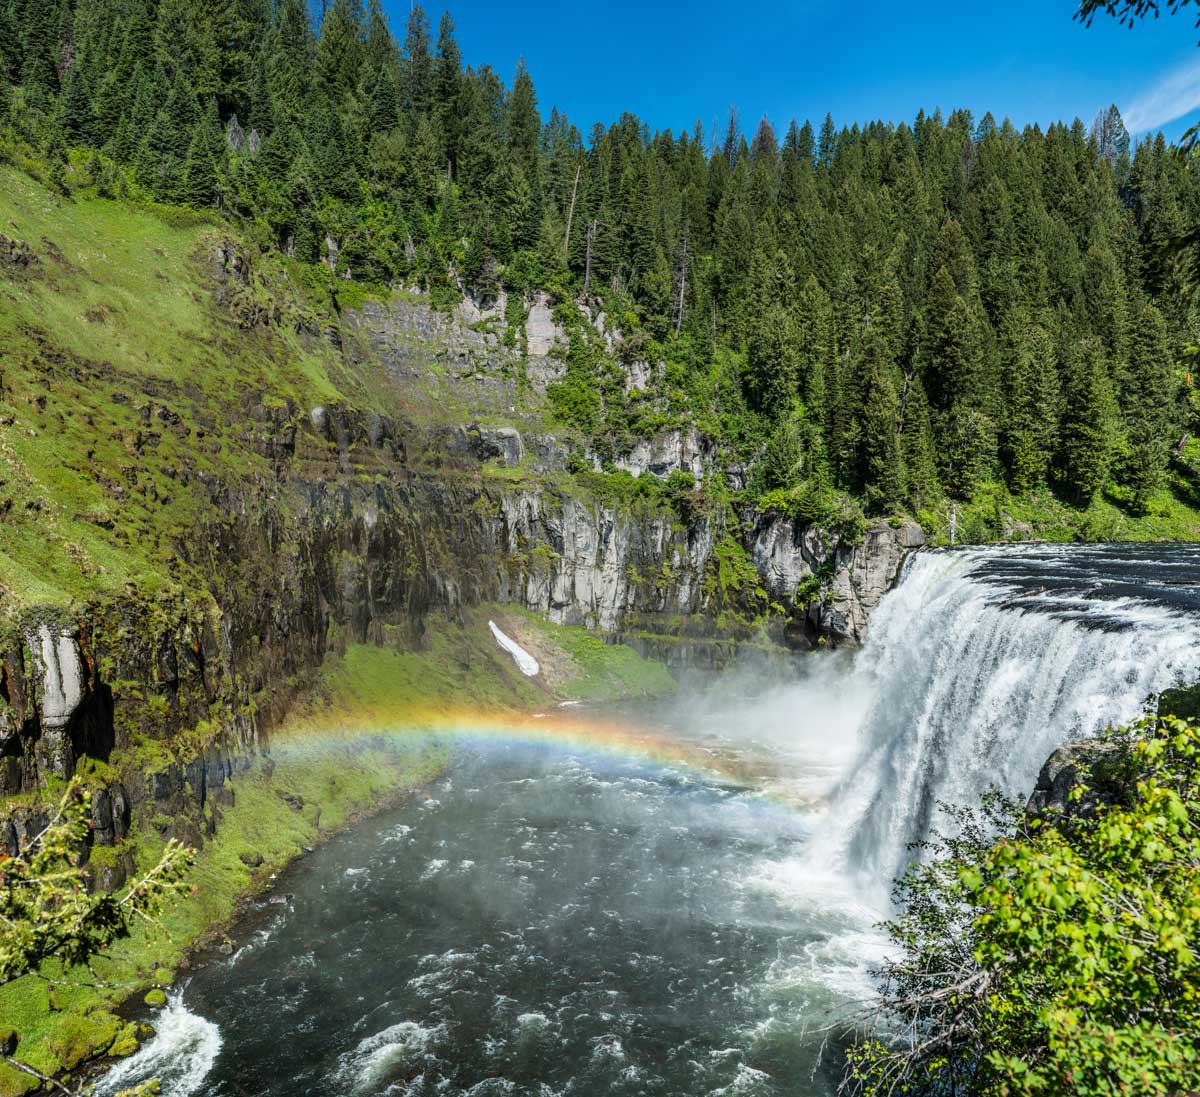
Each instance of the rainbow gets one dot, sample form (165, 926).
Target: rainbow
(560, 728)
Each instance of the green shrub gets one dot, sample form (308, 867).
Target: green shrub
(1055, 956)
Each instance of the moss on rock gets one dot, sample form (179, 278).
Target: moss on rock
(126, 1042)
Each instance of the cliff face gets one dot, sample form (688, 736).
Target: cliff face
(225, 510)
(318, 557)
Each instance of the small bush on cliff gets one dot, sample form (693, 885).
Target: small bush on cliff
(47, 913)
(1061, 956)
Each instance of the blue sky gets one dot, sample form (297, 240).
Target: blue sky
(674, 63)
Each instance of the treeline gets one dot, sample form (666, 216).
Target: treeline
(913, 310)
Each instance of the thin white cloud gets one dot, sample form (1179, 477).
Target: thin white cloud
(1175, 94)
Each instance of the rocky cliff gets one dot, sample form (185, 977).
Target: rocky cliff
(318, 557)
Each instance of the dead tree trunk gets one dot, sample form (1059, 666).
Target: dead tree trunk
(571, 212)
(681, 289)
(587, 266)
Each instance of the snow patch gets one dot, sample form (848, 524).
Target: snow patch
(526, 663)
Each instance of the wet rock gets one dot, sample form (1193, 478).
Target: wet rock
(1071, 764)
(321, 421)
(104, 832)
(868, 573)
(166, 783)
(8, 838)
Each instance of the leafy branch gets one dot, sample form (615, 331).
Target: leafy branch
(47, 912)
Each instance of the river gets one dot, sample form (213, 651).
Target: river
(561, 920)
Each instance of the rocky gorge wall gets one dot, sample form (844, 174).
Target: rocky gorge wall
(320, 557)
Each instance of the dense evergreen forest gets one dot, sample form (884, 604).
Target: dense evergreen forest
(902, 312)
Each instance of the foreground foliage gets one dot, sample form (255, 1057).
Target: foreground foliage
(47, 912)
(1060, 957)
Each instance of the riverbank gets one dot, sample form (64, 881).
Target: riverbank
(362, 740)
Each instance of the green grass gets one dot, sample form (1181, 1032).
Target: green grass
(125, 385)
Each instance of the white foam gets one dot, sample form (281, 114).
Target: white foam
(746, 1081)
(433, 868)
(180, 1055)
(526, 663)
(382, 1055)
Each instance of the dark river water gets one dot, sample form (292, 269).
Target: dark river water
(549, 922)
(555, 921)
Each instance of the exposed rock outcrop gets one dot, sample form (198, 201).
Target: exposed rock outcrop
(673, 451)
(16, 256)
(856, 577)
(1063, 771)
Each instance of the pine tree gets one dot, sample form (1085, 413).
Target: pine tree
(418, 66)
(881, 458)
(239, 28)
(917, 446)
(1104, 300)
(1087, 434)
(1148, 397)
(447, 90)
(40, 25)
(380, 48)
(78, 121)
(815, 344)
(1031, 419)
(827, 142)
(951, 346)
(201, 175)
(773, 359)
(383, 112)
(339, 51)
(10, 49)
(162, 154)
(290, 52)
(524, 126)
(782, 464)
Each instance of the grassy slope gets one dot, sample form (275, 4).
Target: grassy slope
(110, 326)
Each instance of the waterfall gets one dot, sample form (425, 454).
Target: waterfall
(983, 662)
